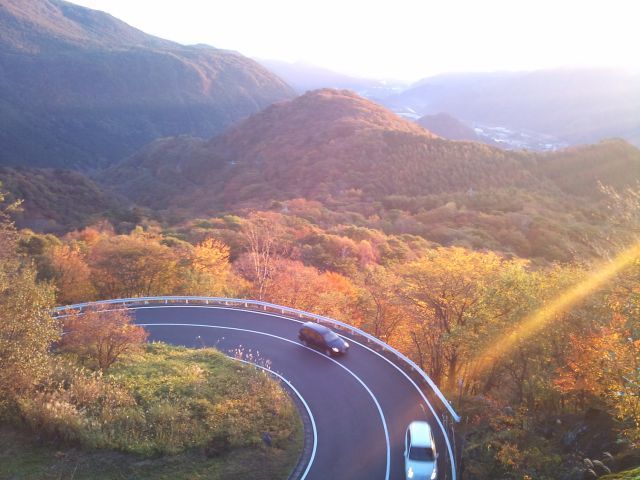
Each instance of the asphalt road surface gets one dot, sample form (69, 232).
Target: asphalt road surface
(361, 404)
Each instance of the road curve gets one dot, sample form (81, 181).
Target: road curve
(361, 403)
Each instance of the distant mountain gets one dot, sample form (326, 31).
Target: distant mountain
(575, 105)
(448, 127)
(57, 200)
(304, 77)
(335, 147)
(323, 145)
(81, 89)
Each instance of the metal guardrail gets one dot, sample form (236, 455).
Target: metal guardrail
(264, 306)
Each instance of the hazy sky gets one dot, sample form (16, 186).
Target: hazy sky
(402, 39)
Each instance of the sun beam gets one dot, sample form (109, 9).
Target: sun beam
(533, 323)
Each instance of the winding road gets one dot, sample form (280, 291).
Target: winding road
(360, 404)
(357, 406)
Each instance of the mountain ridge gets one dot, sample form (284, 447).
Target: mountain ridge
(81, 89)
(577, 105)
(330, 144)
(319, 145)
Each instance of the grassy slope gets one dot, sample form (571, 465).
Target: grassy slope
(165, 375)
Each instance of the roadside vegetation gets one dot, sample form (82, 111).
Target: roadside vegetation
(162, 412)
(162, 401)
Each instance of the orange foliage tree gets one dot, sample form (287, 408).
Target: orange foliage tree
(209, 270)
(263, 232)
(296, 285)
(102, 336)
(133, 265)
(595, 366)
(444, 290)
(381, 309)
(604, 363)
(72, 274)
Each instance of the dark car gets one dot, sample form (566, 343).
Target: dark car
(318, 336)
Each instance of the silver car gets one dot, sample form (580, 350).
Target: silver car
(420, 457)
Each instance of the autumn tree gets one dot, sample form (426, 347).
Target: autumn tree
(444, 289)
(128, 266)
(623, 209)
(26, 326)
(381, 309)
(264, 233)
(208, 269)
(26, 331)
(595, 366)
(603, 366)
(72, 274)
(297, 285)
(102, 336)
(622, 361)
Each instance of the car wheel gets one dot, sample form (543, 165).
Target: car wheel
(304, 342)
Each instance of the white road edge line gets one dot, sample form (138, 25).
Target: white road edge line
(375, 400)
(306, 406)
(426, 401)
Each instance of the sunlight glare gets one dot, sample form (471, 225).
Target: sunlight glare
(562, 303)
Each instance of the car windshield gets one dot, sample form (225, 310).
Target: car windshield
(422, 454)
(330, 336)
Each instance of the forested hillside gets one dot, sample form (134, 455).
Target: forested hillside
(111, 88)
(362, 164)
(55, 200)
(321, 145)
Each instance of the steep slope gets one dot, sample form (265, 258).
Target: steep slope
(80, 89)
(323, 145)
(576, 105)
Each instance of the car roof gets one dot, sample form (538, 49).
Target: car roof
(318, 328)
(420, 434)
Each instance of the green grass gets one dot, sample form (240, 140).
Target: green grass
(154, 415)
(626, 475)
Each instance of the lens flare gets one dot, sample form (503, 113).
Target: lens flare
(533, 323)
